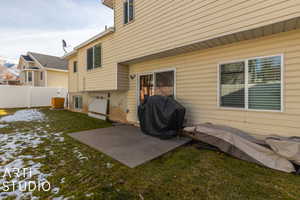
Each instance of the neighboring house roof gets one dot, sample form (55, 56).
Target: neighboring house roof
(108, 3)
(27, 58)
(47, 61)
(96, 37)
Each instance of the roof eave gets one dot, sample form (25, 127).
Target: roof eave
(98, 36)
(108, 3)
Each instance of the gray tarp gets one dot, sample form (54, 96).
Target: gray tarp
(288, 148)
(241, 145)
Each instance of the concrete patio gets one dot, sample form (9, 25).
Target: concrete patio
(128, 144)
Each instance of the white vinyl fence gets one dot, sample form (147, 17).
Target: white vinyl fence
(27, 96)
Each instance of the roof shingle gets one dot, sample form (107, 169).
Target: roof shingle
(50, 61)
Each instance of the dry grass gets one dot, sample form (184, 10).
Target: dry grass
(186, 173)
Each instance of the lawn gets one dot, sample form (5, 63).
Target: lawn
(76, 171)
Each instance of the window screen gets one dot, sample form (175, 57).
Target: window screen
(78, 102)
(97, 56)
(29, 76)
(233, 85)
(125, 6)
(131, 10)
(128, 7)
(264, 85)
(164, 83)
(90, 58)
(75, 66)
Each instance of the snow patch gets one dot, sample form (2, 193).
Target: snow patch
(3, 125)
(11, 147)
(79, 155)
(24, 115)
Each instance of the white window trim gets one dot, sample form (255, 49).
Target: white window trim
(128, 10)
(246, 60)
(94, 57)
(78, 96)
(153, 72)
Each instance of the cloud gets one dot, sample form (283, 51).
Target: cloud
(40, 25)
(49, 42)
(53, 14)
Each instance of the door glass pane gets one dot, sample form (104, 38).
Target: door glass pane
(164, 83)
(265, 83)
(146, 86)
(233, 85)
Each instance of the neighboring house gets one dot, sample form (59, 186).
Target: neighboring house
(41, 70)
(9, 74)
(228, 62)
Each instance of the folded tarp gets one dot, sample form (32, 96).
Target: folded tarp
(288, 148)
(240, 145)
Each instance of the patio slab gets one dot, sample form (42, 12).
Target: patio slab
(128, 144)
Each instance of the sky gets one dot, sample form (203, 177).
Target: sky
(40, 25)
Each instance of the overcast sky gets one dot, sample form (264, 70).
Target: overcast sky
(40, 25)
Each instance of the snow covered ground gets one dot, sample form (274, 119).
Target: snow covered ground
(12, 148)
(24, 115)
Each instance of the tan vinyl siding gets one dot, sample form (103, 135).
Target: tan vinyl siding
(57, 79)
(162, 25)
(123, 77)
(197, 83)
(102, 78)
(73, 77)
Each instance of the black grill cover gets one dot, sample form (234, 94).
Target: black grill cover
(161, 116)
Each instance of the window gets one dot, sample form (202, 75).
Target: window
(78, 102)
(42, 75)
(128, 11)
(94, 57)
(157, 83)
(252, 84)
(29, 76)
(75, 66)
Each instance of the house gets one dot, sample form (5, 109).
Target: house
(9, 74)
(41, 70)
(234, 63)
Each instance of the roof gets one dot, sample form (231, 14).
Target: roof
(96, 37)
(47, 61)
(108, 3)
(27, 58)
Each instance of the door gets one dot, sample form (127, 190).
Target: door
(156, 83)
(146, 87)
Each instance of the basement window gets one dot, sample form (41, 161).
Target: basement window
(252, 84)
(78, 102)
(94, 57)
(128, 11)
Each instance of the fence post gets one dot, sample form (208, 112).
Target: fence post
(29, 97)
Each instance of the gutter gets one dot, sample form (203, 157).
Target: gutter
(96, 37)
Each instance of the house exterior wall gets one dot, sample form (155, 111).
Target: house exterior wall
(117, 103)
(40, 82)
(102, 78)
(73, 77)
(197, 84)
(57, 79)
(163, 25)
